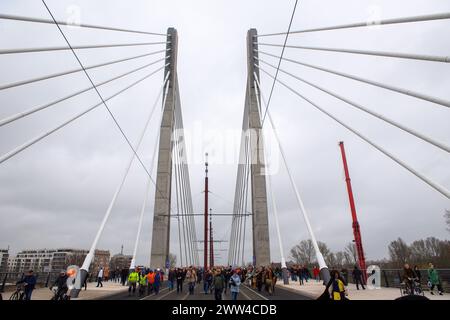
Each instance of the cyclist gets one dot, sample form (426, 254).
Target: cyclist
(61, 286)
(409, 277)
(29, 282)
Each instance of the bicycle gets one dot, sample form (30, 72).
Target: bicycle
(412, 288)
(59, 294)
(19, 294)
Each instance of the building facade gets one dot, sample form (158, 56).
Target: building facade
(4, 258)
(120, 261)
(55, 260)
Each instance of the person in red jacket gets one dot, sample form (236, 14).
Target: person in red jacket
(316, 273)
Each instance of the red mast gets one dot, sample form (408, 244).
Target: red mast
(211, 241)
(205, 247)
(356, 230)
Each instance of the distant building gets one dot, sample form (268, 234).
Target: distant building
(101, 260)
(120, 261)
(36, 260)
(54, 260)
(4, 257)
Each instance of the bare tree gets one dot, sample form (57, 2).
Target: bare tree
(340, 259)
(303, 253)
(350, 254)
(399, 252)
(172, 260)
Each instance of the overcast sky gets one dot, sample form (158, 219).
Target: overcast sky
(55, 193)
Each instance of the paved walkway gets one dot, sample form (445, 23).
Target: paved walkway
(314, 289)
(92, 292)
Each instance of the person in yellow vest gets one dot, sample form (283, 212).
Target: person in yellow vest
(336, 287)
(133, 278)
(142, 282)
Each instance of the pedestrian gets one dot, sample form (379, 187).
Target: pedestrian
(357, 278)
(142, 283)
(157, 281)
(417, 274)
(335, 287)
(106, 274)
(133, 278)
(100, 278)
(150, 281)
(180, 279)
(268, 280)
(316, 273)
(235, 281)
(124, 276)
(259, 278)
(29, 282)
(191, 279)
(172, 277)
(207, 280)
(434, 280)
(218, 284)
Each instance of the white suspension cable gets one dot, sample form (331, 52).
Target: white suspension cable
(79, 47)
(78, 25)
(36, 139)
(149, 184)
(30, 111)
(421, 18)
(64, 73)
(90, 255)
(319, 256)
(419, 175)
(399, 55)
(440, 145)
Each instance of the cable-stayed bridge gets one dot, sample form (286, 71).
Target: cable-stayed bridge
(170, 187)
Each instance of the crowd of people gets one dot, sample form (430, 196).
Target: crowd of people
(218, 281)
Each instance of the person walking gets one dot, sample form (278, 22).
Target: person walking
(191, 279)
(357, 277)
(434, 279)
(180, 279)
(29, 282)
(133, 278)
(142, 283)
(207, 281)
(157, 281)
(218, 284)
(124, 276)
(172, 277)
(335, 287)
(150, 282)
(268, 280)
(235, 281)
(100, 278)
(316, 273)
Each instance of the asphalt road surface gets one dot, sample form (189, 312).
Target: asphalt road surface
(245, 293)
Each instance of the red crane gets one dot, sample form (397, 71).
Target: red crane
(356, 230)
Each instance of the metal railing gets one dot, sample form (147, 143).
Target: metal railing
(391, 278)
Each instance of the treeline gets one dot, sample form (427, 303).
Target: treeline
(419, 252)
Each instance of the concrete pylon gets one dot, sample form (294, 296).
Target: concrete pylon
(162, 210)
(260, 220)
